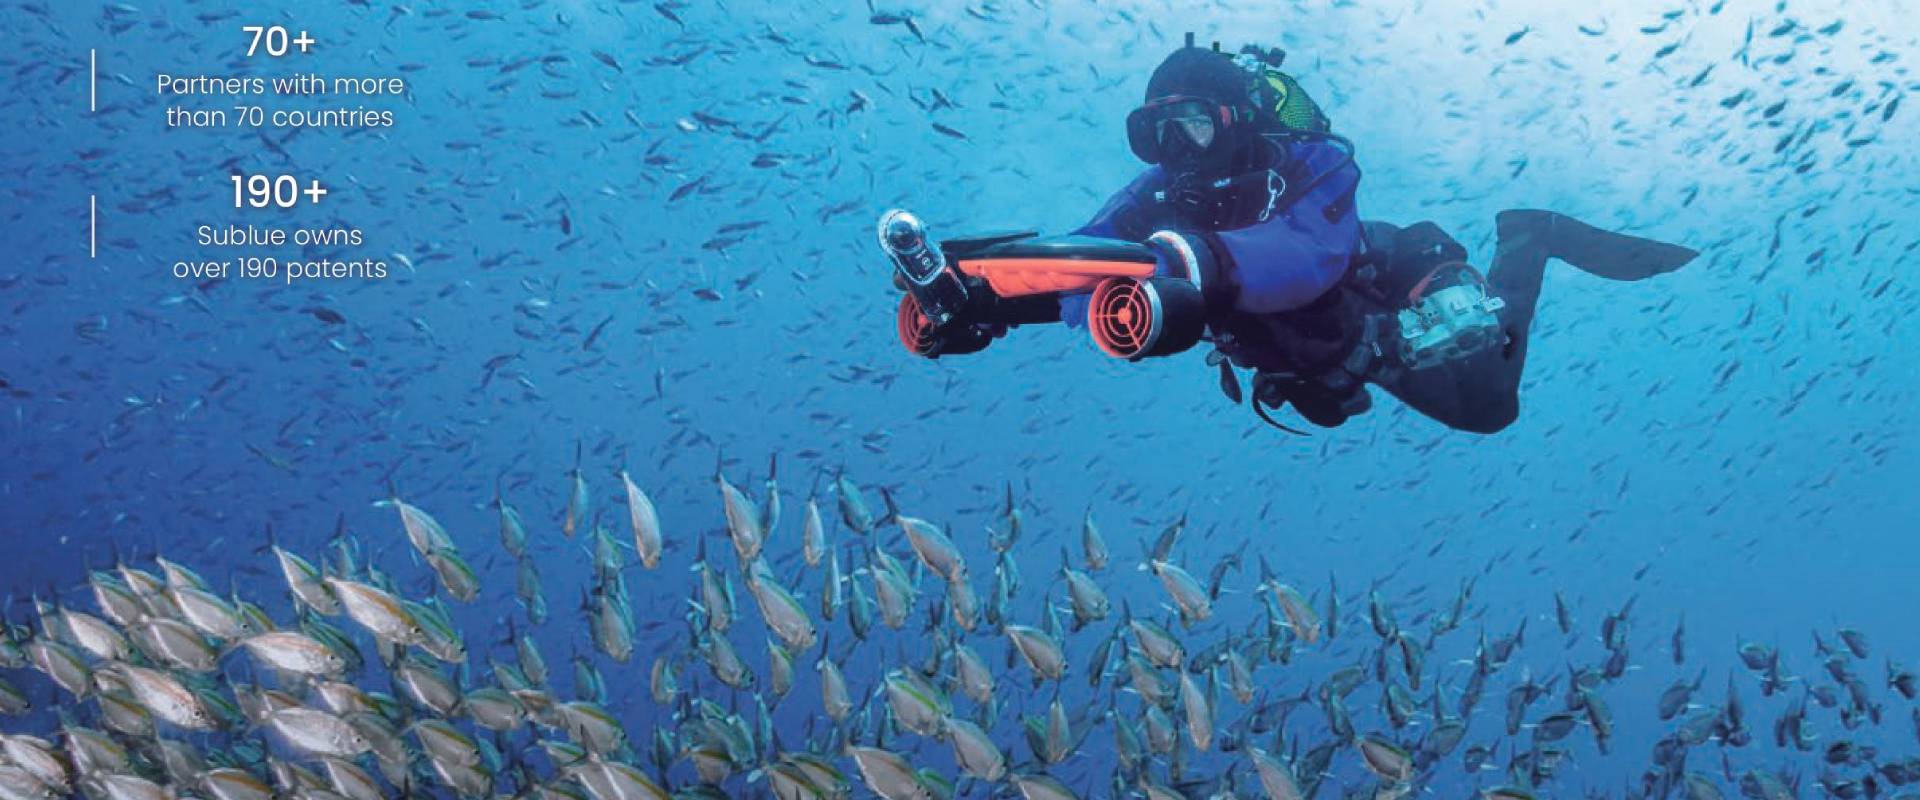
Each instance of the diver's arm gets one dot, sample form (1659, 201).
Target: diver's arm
(1073, 307)
(1291, 259)
(1106, 225)
(1106, 222)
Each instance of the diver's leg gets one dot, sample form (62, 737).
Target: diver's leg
(1469, 395)
(1378, 235)
(1526, 238)
(1481, 393)
(1474, 394)
(1522, 244)
(1606, 254)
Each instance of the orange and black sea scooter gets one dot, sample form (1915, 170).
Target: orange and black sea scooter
(961, 294)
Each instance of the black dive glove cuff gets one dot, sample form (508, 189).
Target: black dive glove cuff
(1193, 257)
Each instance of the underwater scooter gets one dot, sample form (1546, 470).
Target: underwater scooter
(961, 294)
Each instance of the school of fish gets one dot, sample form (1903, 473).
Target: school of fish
(985, 680)
(649, 223)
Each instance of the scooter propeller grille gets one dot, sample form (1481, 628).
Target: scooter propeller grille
(916, 331)
(1122, 317)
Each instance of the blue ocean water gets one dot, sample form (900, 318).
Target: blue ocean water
(1729, 444)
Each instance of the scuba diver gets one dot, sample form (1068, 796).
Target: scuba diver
(1248, 220)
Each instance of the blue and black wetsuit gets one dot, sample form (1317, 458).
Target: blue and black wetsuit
(1273, 265)
(1272, 304)
(1286, 302)
(1278, 265)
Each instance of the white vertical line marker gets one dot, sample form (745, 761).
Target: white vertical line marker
(93, 80)
(93, 226)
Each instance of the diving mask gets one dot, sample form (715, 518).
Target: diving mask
(1176, 125)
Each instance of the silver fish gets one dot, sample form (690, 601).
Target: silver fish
(647, 538)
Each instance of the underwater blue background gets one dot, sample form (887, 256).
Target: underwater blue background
(1732, 443)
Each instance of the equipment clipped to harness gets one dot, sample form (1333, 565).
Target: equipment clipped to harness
(1227, 203)
(1270, 390)
(1449, 316)
(1267, 418)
